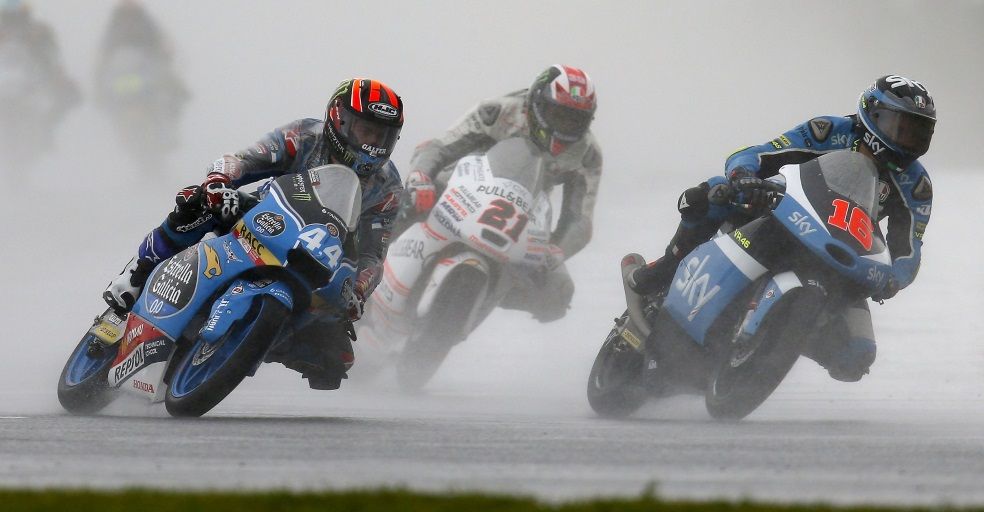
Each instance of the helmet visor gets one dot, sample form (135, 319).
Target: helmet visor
(367, 136)
(908, 132)
(568, 124)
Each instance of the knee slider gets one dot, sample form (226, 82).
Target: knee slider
(553, 304)
(852, 360)
(693, 202)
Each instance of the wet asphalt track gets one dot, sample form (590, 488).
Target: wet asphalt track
(868, 452)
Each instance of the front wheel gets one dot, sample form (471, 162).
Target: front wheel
(615, 386)
(441, 329)
(83, 387)
(750, 371)
(208, 373)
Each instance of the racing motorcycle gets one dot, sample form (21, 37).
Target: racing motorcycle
(143, 99)
(209, 315)
(27, 102)
(742, 306)
(444, 275)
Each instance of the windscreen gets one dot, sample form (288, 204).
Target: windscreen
(852, 175)
(338, 190)
(518, 160)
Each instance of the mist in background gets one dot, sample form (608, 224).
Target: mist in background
(680, 86)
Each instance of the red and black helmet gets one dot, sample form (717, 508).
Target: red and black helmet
(560, 107)
(362, 124)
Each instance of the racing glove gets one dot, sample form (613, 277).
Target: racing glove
(754, 195)
(220, 198)
(889, 291)
(423, 193)
(354, 298)
(738, 173)
(553, 257)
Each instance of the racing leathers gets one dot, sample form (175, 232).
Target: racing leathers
(847, 348)
(293, 148)
(577, 169)
(29, 47)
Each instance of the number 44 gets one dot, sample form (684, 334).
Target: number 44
(314, 240)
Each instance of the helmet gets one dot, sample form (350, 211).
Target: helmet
(560, 107)
(898, 117)
(14, 13)
(362, 124)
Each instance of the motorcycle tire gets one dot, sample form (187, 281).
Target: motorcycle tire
(740, 382)
(440, 329)
(83, 387)
(615, 386)
(204, 378)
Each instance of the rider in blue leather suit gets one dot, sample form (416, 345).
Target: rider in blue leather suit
(362, 124)
(894, 125)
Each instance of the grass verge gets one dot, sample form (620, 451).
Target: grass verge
(367, 501)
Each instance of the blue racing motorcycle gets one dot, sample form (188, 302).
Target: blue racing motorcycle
(209, 315)
(742, 306)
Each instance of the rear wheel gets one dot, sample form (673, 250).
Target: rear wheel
(615, 384)
(441, 329)
(83, 387)
(750, 371)
(208, 373)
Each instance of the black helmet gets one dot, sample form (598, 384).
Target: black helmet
(898, 117)
(560, 107)
(362, 124)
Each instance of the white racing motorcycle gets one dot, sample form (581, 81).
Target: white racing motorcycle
(443, 276)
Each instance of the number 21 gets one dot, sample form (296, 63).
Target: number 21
(498, 215)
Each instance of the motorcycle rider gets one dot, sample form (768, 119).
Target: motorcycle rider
(135, 71)
(362, 124)
(893, 125)
(555, 113)
(19, 27)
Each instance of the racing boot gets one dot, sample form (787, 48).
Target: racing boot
(653, 279)
(123, 291)
(636, 302)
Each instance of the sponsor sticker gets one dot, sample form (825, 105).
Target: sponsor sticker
(131, 364)
(384, 109)
(269, 223)
(212, 266)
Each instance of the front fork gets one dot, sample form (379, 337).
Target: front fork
(769, 293)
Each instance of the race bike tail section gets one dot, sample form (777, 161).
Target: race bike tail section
(443, 276)
(615, 386)
(83, 386)
(741, 306)
(208, 315)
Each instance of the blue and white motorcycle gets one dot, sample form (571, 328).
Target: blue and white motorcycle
(742, 306)
(209, 315)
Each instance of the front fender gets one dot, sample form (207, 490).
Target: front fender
(236, 301)
(443, 269)
(772, 293)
